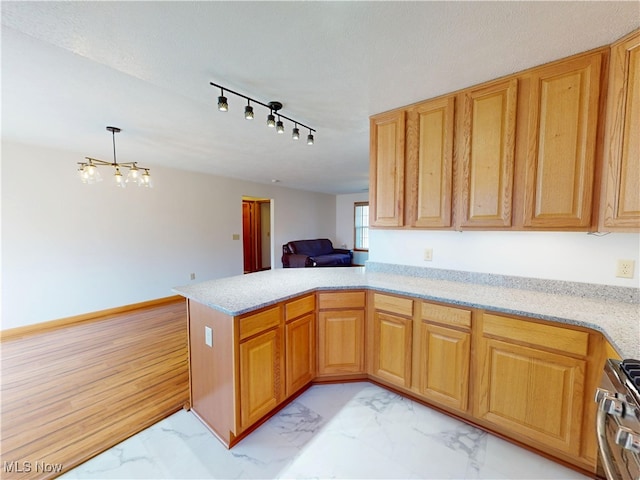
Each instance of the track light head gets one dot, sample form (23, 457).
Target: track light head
(271, 120)
(223, 106)
(295, 134)
(248, 112)
(310, 138)
(279, 126)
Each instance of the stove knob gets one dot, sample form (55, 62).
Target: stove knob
(612, 406)
(628, 440)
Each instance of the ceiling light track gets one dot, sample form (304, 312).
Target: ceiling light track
(89, 173)
(274, 109)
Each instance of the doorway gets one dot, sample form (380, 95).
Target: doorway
(256, 234)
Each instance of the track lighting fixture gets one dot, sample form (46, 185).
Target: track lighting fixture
(274, 109)
(248, 111)
(89, 173)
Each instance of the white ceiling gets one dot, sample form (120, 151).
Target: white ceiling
(69, 69)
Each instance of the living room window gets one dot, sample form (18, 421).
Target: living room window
(361, 226)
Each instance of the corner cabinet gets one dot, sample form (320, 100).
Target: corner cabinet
(391, 338)
(620, 209)
(341, 330)
(562, 130)
(386, 174)
(531, 381)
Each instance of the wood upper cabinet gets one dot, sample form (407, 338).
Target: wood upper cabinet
(621, 178)
(386, 174)
(300, 348)
(444, 345)
(392, 322)
(261, 365)
(341, 324)
(531, 381)
(561, 143)
(429, 163)
(487, 145)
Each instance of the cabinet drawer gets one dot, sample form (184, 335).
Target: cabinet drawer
(446, 315)
(259, 322)
(389, 303)
(341, 300)
(298, 307)
(545, 336)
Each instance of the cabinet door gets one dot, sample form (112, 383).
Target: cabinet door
(261, 386)
(430, 130)
(533, 393)
(392, 339)
(621, 209)
(488, 150)
(386, 176)
(443, 373)
(300, 358)
(562, 130)
(341, 342)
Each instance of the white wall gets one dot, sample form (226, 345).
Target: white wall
(344, 223)
(576, 257)
(69, 248)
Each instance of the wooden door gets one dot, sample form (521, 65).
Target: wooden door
(562, 133)
(488, 153)
(300, 352)
(444, 365)
(341, 342)
(251, 237)
(386, 176)
(532, 392)
(621, 206)
(430, 130)
(260, 377)
(392, 348)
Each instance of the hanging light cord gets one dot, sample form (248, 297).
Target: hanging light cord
(265, 105)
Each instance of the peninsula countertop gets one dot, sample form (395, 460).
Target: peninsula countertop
(618, 320)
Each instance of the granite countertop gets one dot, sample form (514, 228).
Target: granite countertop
(598, 307)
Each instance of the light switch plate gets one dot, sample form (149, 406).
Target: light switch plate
(208, 336)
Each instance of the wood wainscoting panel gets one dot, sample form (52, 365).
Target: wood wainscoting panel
(70, 393)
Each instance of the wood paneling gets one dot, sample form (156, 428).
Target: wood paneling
(72, 392)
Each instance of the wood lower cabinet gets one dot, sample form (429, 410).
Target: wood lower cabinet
(391, 352)
(261, 379)
(444, 345)
(341, 329)
(531, 380)
(620, 209)
(300, 328)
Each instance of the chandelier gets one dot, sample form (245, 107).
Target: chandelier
(274, 109)
(88, 171)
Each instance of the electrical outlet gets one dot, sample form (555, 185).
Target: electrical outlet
(625, 268)
(428, 254)
(193, 276)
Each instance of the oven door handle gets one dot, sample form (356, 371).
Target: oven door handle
(605, 452)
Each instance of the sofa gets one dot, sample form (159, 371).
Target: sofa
(314, 253)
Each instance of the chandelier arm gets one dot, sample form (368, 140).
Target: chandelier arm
(97, 162)
(265, 105)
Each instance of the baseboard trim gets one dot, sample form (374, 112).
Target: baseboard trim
(17, 332)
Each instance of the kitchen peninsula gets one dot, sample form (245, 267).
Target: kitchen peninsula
(485, 348)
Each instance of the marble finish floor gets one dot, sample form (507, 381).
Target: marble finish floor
(343, 431)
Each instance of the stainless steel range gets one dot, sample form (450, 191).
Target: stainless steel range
(618, 420)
